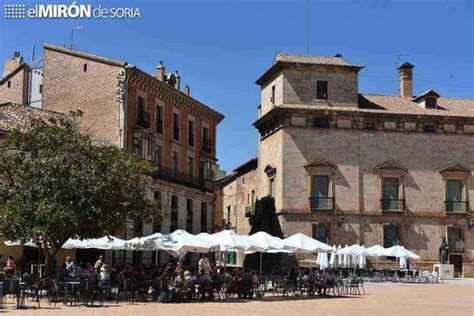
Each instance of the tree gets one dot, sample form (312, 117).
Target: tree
(58, 183)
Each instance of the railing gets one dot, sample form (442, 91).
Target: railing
(143, 119)
(392, 205)
(456, 247)
(456, 206)
(321, 203)
(207, 146)
(184, 179)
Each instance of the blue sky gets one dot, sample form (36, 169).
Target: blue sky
(221, 47)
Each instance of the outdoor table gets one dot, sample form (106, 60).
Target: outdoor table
(68, 285)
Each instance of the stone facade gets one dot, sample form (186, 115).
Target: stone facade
(357, 142)
(14, 86)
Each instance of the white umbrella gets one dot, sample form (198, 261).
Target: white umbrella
(354, 250)
(268, 243)
(346, 259)
(362, 262)
(376, 251)
(104, 243)
(323, 261)
(340, 257)
(228, 240)
(403, 262)
(333, 259)
(181, 242)
(400, 252)
(303, 243)
(139, 243)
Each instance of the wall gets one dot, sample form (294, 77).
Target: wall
(67, 87)
(266, 94)
(18, 90)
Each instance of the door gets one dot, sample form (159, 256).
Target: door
(456, 260)
(390, 196)
(454, 196)
(320, 195)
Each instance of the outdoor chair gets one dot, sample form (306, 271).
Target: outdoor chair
(86, 292)
(11, 287)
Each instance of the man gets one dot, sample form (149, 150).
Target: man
(205, 264)
(69, 264)
(98, 264)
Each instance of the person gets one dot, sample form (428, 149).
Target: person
(10, 267)
(69, 264)
(98, 264)
(205, 282)
(24, 264)
(326, 280)
(188, 279)
(104, 275)
(293, 276)
(255, 280)
(205, 264)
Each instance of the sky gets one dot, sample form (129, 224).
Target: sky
(221, 47)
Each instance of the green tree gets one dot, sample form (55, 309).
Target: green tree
(58, 183)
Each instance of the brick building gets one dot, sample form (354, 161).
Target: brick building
(150, 116)
(345, 167)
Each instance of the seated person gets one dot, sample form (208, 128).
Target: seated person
(205, 282)
(327, 280)
(10, 267)
(104, 275)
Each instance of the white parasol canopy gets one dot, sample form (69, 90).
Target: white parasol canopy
(139, 243)
(400, 252)
(376, 251)
(302, 243)
(333, 260)
(354, 250)
(181, 242)
(268, 243)
(228, 240)
(323, 260)
(104, 243)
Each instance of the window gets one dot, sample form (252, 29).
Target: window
(140, 108)
(272, 100)
(190, 166)
(159, 155)
(322, 122)
(176, 126)
(156, 222)
(137, 146)
(271, 187)
(174, 213)
(430, 103)
(390, 194)
(320, 193)
(84, 67)
(205, 139)
(321, 232)
(455, 239)
(429, 128)
(390, 235)
(40, 89)
(191, 133)
(189, 215)
(454, 201)
(159, 119)
(174, 163)
(370, 126)
(322, 90)
(9, 84)
(204, 172)
(203, 217)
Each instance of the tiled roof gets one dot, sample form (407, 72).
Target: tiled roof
(282, 60)
(392, 105)
(309, 59)
(92, 57)
(13, 116)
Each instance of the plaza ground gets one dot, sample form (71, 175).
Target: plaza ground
(450, 298)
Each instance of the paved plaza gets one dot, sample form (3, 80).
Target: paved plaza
(450, 298)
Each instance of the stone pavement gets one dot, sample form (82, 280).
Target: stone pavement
(450, 298)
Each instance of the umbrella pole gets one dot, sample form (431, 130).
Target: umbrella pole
(260, 266)
(225, 261)
(156, 258)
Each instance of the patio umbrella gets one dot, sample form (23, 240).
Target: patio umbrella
(139, 243)
(399, 252)
(340, 257)
(403, 262)
(305, 244)
(104, 243)
(333, 259)
(179, 243)
(376, 251)
(228, 240)
(346, 259)
(323, 261)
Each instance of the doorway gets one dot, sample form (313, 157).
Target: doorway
(456, 260)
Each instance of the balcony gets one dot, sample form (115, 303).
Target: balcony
(392, 205)
(184, 179)
(321, 203)
(207, 146)
(143, 119)
(456, 206)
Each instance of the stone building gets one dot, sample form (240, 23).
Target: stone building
(345, 167)
(150, 116)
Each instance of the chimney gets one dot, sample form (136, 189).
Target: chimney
(405, 77)
(12, 64)
(178, 80)
(187, 90)
(160, 71)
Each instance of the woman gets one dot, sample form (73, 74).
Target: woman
(10, 268)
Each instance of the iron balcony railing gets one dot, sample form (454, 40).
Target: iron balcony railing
(143, 119)
(184, 179)
(321, 203)
(392, 204)
(456, 206)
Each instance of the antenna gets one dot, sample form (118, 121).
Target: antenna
(76, 28)
(399, 58)
(307, 27)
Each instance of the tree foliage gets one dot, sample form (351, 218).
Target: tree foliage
(57, 183)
